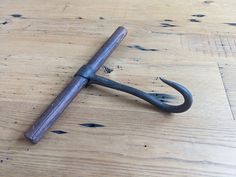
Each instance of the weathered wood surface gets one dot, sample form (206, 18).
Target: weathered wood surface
(43, 43)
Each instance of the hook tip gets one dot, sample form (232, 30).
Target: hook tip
(165, 80)
(188, 98)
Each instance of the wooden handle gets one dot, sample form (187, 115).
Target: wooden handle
(55, 109)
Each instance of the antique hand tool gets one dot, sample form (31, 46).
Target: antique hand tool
(86, 76)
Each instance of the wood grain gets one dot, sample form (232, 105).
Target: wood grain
(43, 43)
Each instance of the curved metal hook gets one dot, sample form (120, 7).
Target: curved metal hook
(95, 79)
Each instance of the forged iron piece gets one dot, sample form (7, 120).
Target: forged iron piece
(86, 76)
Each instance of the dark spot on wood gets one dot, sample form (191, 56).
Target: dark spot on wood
(167, 25)
(16, 15)
(27, 149)
(33, 108)
(15, 122)
(145, 145)
(199, 15)
(80, 18)
(135, 59)
(231, 24)
(208, 2)
(119, 67)
(101, 18)
(107, 69)
(7, 158)
(162, 96)
(92, 125)
(4, 23)
(141, 48)
(1, 161)
(168, 20)
(58, 132)
(194, 20)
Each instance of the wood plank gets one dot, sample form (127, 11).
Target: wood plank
(43, 43)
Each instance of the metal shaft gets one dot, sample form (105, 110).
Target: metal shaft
(55, 109)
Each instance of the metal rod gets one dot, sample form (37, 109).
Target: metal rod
(56, 108)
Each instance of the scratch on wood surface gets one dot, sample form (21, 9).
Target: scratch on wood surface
(198, 15)
(58, 132)
(194, 20)
(92, 125)
(197, 161)
(16, 15)
(165, 98)
(208, 2)
(65, 6)
(231, 24)
(167, 25)
(225, 84)
(215, 44)
(4, 23)
(107, 69)
(138, 47)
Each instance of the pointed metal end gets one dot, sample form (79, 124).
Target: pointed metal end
(188, 98)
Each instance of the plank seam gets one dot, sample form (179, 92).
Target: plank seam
(227, 96)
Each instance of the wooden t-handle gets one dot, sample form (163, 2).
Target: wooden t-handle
(55, 109)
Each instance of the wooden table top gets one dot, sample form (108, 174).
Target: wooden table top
(43, 43)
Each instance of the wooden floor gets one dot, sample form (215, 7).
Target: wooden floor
(43, 43)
